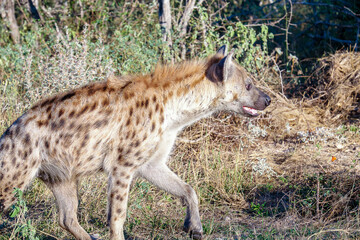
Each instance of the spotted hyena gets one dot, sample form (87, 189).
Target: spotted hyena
(126, 127)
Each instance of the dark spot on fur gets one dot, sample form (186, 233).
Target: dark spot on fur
(105, 102)
(157, 107)
(29, 120)
(137, 143)
(6, 147)
(154, 98)
(72, 113)
(61, 123)
(83, 110)
(25, 155)
(61, 112)
(92, 108)
(83, 143)
(128, 164)
(17, 130)
(128, 122)
(146, 103)
(128, 151)
(67, 96)
(72, 125)
(26, 140)
(131, 112)
(118, 211)
(120, 158)
(47, 145)
(150, 114)
(153, 125)
(91, 91)
(100, 123)
(16, 175)
(137, 153)
(48, 109)
(137, 104)
(47, 102)
(145, 137)
(41, 123)
(53, 126)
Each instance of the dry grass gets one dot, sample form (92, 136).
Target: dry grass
(337, 94)
(274, 177)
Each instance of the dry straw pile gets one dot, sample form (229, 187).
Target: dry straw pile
(335, 96)
(338, 91)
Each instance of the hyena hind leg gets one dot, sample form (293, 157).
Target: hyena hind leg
(161, 176)
(10, 180)
(65, 193)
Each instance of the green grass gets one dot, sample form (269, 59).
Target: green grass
(296, 193)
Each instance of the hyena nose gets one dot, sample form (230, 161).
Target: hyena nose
(267, 101)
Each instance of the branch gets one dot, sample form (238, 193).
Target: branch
(344, 9)
(332, 39)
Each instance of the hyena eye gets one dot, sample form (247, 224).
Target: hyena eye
(248, 86)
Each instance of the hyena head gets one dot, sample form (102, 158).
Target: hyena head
(238, 92)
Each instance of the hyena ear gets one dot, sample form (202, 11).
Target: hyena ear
(224, 68)
(222, 50)
(221, 70)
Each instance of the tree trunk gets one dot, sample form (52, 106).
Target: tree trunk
(165, 20)
(184, 22)
(8, 14)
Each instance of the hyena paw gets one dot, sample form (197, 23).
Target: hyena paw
(194, 232)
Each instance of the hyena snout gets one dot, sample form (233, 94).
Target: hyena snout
(262, 101)
(259, 101)
(267, 100)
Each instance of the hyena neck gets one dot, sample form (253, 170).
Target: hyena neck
(190, 105)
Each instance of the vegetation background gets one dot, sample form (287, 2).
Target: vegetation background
(293, 173)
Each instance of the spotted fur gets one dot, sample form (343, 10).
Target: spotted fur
(126, 127)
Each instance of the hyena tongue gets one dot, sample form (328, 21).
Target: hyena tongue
(250, 110)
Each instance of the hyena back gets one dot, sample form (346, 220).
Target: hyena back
(126, 127)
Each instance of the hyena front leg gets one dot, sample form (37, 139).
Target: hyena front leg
(66, 197)
(161, 176)
(119, 185)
